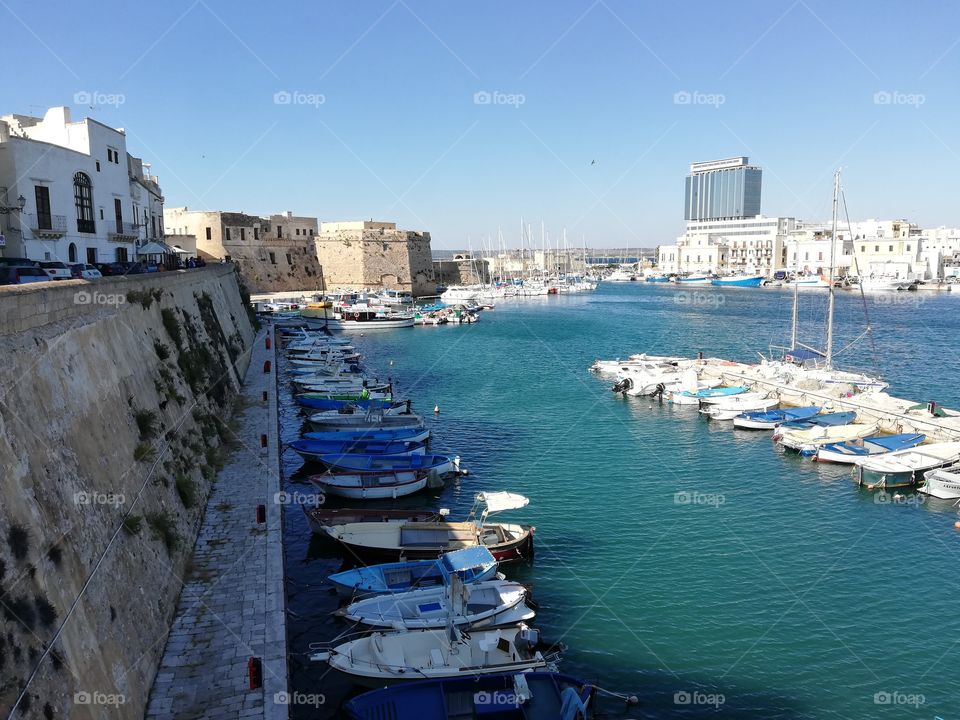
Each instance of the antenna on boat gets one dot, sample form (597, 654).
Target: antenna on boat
(833, 249)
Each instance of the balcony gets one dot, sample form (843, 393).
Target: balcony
(123, 232)
(50, 227)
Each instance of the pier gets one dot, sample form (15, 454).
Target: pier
(226, 653)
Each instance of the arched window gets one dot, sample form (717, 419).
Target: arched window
(72, 253)
(83, 197)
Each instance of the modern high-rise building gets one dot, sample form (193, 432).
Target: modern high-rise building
(726, 189)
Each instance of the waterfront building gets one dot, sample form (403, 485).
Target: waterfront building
(371, 254)
(461, 269)
(273, 254)
(752, 246)
(940, 251)
(85, 198)
(887, 248)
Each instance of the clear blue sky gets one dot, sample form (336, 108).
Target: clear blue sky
(399, 137)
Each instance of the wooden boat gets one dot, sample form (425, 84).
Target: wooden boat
(473, 564)
(905, 468)
(327, 403)
(339, 407)
(415, 540)
(850, 452)
(942, 483)
(410, 434)
(383, 658)
(349, 397)
(316, 450)
(322, 421)
(420, 462)
(807, 441)
(527, 695)
(487, 604)
(373, 485)
(769, 419)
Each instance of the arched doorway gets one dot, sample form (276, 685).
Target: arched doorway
(72, 253)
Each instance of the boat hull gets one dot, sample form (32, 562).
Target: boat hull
(357, 487)
(942, 484)
(517, 549)
(746, 281)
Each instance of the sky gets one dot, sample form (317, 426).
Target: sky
(462, 118)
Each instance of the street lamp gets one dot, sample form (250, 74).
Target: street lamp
(21, 202)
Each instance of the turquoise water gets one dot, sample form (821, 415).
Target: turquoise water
(785, 588)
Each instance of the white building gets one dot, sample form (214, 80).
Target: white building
(747, 245)
(940, 250)
(86, 199)
(887, 249)
(808, 250)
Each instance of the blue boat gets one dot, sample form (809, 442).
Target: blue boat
(332, 404)
(686, 397)
(315, 450)
(505, 696)
(738, 281)
(439, 464)
(411, 434)
(658, 278)
(851, 451)
(472, 564)
(769, 419)
(825, 420)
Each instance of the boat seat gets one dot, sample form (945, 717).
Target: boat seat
(474, 608)
(436, 658)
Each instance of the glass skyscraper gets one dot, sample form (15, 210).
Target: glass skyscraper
(722, 190)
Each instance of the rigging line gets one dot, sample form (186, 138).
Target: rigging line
(866, 311)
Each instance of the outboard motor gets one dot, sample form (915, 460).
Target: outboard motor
(621, 386)
(658, 393)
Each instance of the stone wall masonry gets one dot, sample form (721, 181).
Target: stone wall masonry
(114, 419)
(370, 258)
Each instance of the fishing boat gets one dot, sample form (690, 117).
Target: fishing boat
(363, 434)
(806, 442)
(730, 408)
(769, 419)
(810, 281)
(824, 420)
(414, 540)
(738, 281)
(316, 450)
(693, 397)
(849, 452)
(879, 282)
(512, 696)
(658, 278)
(942, 483)
(369, 462)
(362, 317)
(342, 407)
(621, 275)
(373, 485)
(693, 279)
(328, 403)
(383, 658)
(905, 468)
(395, 297)
(324, 421)
(472, 564)
(471, 606)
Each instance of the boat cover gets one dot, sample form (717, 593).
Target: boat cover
(466, 559)
(499, 501)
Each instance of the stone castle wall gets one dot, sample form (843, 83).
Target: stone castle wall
(375, 258)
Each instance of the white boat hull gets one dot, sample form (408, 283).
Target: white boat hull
(383, 492)
(942, 484)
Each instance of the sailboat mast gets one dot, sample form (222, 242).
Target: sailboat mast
(833, 249)
(794, 317)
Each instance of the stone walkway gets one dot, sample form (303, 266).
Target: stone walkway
(232, 606)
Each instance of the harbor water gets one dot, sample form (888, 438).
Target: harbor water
(700, 568)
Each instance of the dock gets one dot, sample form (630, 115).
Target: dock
(230, 622)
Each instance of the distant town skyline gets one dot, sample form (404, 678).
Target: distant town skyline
(460, 120)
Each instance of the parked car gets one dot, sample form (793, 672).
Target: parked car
(23, 262)
(22, 274)
(56, 269)
(83, 271)
(114, 268)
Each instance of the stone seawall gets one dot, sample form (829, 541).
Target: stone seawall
(115, 404)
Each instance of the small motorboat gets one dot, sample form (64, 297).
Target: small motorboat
(382, 658)
(527, 695)
(420, 462)
(374, 485)
(693, 397)
(769, 419)
(339, 407)
(730, 407)
(487, 604)
(738, 281)
(389, 434)
(395, 407)
(417, 540)
(334, 395)
(472, 564)
(806, 442)
(316, 450)
(905, 468)
(369, 421)
(850, 452)
(943, 483)
(824, 420)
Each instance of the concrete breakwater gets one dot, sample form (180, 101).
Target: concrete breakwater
(115, 406)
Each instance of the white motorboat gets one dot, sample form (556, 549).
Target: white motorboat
(881, 282)
(942, 483)
(460, 294)
(730, 407)
(382, 658)
(905, 468)
(487, 604)
(372, 421)
(621, 275)
(377, 485)
(807, 441)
